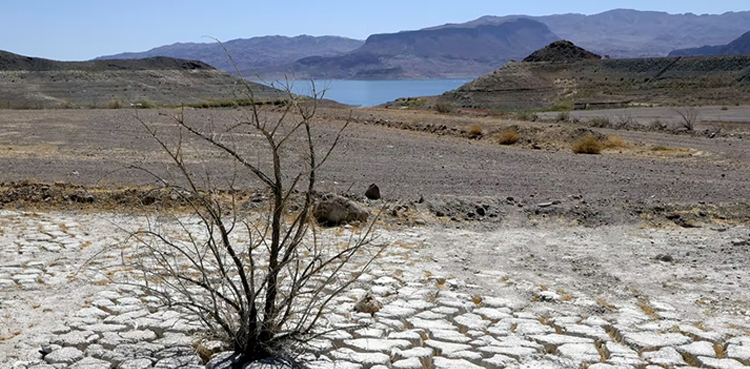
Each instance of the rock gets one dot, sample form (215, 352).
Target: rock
(373, 192)
(91, 363)
(66, 355)
(411, 363)
(142, 363)
(444, 348)
(667, 357)
(443, 363)
(653, 341)
(665, 258)
(739, 353)
(712, 363)
(698, 348)
(378, 345)
(334, 209)
(420, 222)
(580, 352)
(368, 304)
(366, 359)
(500, 362)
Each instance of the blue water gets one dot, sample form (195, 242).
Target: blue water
(371, 93)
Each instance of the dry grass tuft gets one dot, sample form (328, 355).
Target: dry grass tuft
(508, 137)
(588, 144)
(615, 142)
(475, 131)
(603, 303)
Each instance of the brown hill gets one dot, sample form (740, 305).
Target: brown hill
(27, 82)
(543, 86)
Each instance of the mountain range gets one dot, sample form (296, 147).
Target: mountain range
(738, 46)
(252, 53)
(463, 50)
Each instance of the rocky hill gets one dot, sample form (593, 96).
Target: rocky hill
(561, 52)
(440, 53)
(738, 46)
(31, 83)
(624, 33)
(707, 80)
(251, 53)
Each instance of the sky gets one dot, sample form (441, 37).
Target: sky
(85, 29)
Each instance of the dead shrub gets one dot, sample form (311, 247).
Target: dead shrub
(588, 144)
(600, 122)
(444, 107)
(508, 137)
(564, 116)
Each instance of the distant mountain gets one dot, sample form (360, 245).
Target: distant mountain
(624, 33)
(251, 53)
(738, 46)
(439, 53)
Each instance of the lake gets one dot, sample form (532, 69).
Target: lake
(371, 93)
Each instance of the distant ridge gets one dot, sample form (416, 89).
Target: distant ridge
(626, 33)
(10, 61)
(251, 53)
(738, 46)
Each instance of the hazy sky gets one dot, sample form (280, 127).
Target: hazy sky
(84, 29)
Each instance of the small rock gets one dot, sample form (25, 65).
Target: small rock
(368, 304)
(420, 222)
(665, 258)
(373, 192)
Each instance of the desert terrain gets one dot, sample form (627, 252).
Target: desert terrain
(524, 255)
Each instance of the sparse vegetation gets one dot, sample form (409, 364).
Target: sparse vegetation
(615, 142)
(658, 125)
(444, 107)
(689, 117)
(564, 116)
(508, 137)
(527, 116)
(114, 104)
(600, 122)
(588, 144)
(475, 132)
(724, 108)
(563, 106)
(660, 148)
(144, 104)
